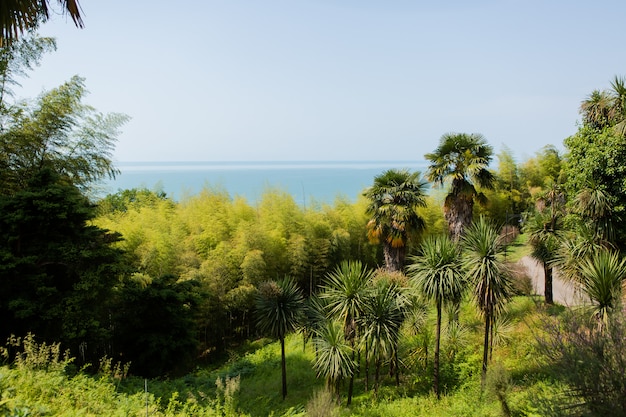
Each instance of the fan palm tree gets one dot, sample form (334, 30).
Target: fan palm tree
(19, 16)
(602, 276)
(345, 292)
(384, 313)
(279, 307)
(333, 359)
(393, 200)
(490, 281)
(438, 275)
(461, 160)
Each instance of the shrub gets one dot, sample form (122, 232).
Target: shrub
(591, 359)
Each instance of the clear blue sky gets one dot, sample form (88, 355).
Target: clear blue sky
(335, 79)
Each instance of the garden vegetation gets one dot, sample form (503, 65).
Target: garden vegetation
(400, 302)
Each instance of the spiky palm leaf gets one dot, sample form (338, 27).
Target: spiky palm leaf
(333, 360)
(384, 313)
(489, 278)
(436, 271)
(344, 291)
(279, 308)
(602, 277)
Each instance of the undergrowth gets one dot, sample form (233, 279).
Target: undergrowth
(41, 380)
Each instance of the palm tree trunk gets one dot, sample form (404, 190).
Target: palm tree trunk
(547, 270)
(367, 366)
(377, 374)
(437, 340)
(351, 383)
(397, 366)
(392, 258)
(486, 347)
(283, 366)
(491, 330)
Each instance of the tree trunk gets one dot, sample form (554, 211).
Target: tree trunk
(437, 340)
(547, 271)
(397, 366)
(394, 257)
(367, 366)
(283, 366)
(351, 383)
(458, 210)
(377, 374)
(486, 347)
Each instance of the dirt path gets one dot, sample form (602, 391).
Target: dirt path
(563, 292)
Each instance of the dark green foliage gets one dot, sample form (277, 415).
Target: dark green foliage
(57, 271)
(596, 162)
(154, 327)
(124, 199)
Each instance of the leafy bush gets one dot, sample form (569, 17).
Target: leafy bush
(592, 360)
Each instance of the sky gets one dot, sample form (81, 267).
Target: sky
(273, 80)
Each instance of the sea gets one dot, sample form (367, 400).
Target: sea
(308, 182)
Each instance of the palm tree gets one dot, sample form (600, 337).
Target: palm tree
(385, 310)
(19, 16)
(279, 308)
(345, 291)
(595, 207)
(544, 228)
(461, 160)
(490, 282)
(438, 275)
(602, 276)
(393, 200)
(604, 109)
(333, 355)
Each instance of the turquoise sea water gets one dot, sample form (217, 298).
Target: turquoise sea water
(307, 182)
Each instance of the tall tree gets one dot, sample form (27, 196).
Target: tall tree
(437, 273)
(461, 160)
(393, 200)
(61, 132)
(19, 16)
(57, 271)
(279, 310)
(490, 282)
(545, 231)
(346, 291)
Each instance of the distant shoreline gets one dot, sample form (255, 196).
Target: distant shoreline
(321, 181)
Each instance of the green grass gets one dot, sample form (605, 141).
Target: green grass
(518, 249)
